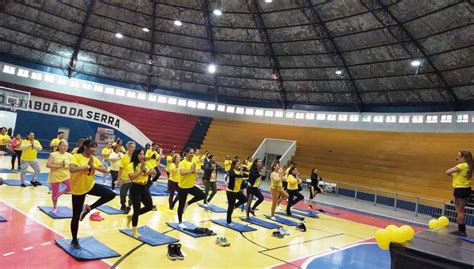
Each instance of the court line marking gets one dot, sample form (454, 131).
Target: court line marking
(309, 259)
(303, 242)
(115, 265)
(44, 225)
(28, 248)
(8, 254)
(45, 244)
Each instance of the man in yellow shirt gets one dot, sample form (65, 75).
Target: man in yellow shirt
(123, 178)
(4, 140)
(55, 142)
(29, 157)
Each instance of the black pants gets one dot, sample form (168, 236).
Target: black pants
(233, 197)
(14, 156)
(105, 195)
(114, 175)
(183, 195)
(158, 174)
(251, 192)
(291, 202)
(172, 187)
(140, 194)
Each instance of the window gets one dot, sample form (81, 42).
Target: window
(182, 102)
(36, 76)
(98, 88)
(310, 116)
(321, 116)
(221, 108)
(378, 118)
(87, 86)
(73, 83)
(50, 79)
(211, 107)
(249, 111)
(119, 92)
(152, 98)
(290, 114)
(131, 94)
(331, 117)
(462, 118)
(61, 81)
(164, 99)
(391, 119)
(172, 101)
(446, 118)
(279, 114)
(300, 115)
(417, 119)
(230, 109)
(201, 105)
(432, 119)
(366, 118)
(240, 110)
(109, 90)
(404, 119)
(9, 69)
(191, 104)
(141, 96)
(259, 112)
(353, 117)
(23, 73)
(269, 113)
(342, 117)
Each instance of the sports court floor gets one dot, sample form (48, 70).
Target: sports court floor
(340, 239)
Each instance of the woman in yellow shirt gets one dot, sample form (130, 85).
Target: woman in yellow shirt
(188, 171)
(234, 190)
(173, 179)
(114, 158)
(138, 172)
(58, 163)
(83, 166)
(276, 187)
(169, 160)
(293, 181)
(461, 174)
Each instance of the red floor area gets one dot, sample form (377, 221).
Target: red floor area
(24, 243)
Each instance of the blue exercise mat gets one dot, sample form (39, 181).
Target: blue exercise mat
(64, 212)
(214, 208)
(91, 249)
(300, 218)
(189, 226)
(283, 220)
(150, 236)
(239, 227)
(3, 219)
(309, 214)
(7, 171)
(468, 239)
(15, 182)
(110, 210)
(261, 223)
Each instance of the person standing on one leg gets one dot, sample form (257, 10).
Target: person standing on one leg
(138, 172)
(314, 187)
(58, 163)
(461, 174)
(234, 191)
(114, 158)
(276, 187)
(173, 180)
(15, 146)
(209, 179)
(124, 180)
(257, 174)
(29, 157)
(188, 171)
(83, 166)
(293, 191)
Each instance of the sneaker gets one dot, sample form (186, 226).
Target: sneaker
(123, 208)
(23, 185)
(273, 218)
(85, 210)
(310, 206)
(459, 233)
(283, 231)
(172, 252)
(38, 183)
(33, 183)
(182, 226)
(178, 251)
(54, 211)
(75, 244)
(277, 234)
(222, 241)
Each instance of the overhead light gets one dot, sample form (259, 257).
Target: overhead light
(338, 72)
(212, 68)
(416, 63)
(217, 12)
(146, 30)
(268, 1)
(178, 23)
(118, 35)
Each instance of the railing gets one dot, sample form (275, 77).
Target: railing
(289, 153)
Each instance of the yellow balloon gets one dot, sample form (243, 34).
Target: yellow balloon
(433, 224)
(408, 232)
(391, 229)
(398, 236)
(384, 245)
(443, 221)
(382, 236)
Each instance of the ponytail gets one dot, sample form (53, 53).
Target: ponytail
(87, 143)
(467, 155)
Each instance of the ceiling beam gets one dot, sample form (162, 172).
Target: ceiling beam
(150, 60)
(397, 30)
(309, 11)
(77, 47)
(256, 11)
(205, 6)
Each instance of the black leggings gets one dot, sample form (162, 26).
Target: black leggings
(291, 195)
(183, 195)
(140, 194)
(105, 195)
(14, 156)
(231, 205)
(114, 175)
(254, 191)
(172, 187)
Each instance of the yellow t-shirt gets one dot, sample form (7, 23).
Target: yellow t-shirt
(55, 143)
(30, 154)
(246, 170)
(81, 182)
(227, 164)
(60, 174)
(237, 183)
(124, 161)
(276, 181)
(141, 178)
(152, 158)
(106, 153)
(4, 139)
(122, 148)
(460, 179)
(169, 159)
(292, 182)
(174, 176)
(197, 160)
(187, 181)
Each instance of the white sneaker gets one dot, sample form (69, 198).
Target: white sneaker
(182, 226)
(273, 218)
